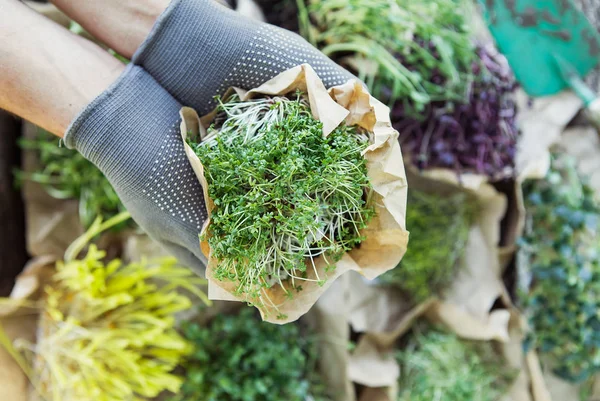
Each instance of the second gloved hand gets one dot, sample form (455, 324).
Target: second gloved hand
(131, 132)
(198, 49)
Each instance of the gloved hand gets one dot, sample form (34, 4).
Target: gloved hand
(199, 48)
(196, 50)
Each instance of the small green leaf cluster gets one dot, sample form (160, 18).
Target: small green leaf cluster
(66, 174)
(560, 269)
(413, 51)
(439, 227)
(107, 329)
(437, 365)
(241, 358)
(284, 194)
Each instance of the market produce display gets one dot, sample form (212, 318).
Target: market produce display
(440, 228)
(284, 194)
(450, 97)
(66, 174)
(107, 329)
(303, 184)
(560, 270)
(438, 365)
(251, 360)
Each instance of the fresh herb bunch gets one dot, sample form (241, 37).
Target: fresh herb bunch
(284, 194)
(560, 263)
(240, 358)
(66, 174)
(478, 135)
(410, 51)
(436, 365)
(107, 329)
(440, 229)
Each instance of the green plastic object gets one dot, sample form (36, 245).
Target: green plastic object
(534, 34)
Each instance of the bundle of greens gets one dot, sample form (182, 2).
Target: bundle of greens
(450, 99)
(440, 227)
(478, 135)
(66, 174)
(107, 329)
(436, 365)
(414, 52)
(240, 358)
(284, 194)
(560, 270)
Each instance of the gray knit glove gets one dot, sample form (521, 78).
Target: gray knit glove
(196, 50)
(199, 48)
(131, 133)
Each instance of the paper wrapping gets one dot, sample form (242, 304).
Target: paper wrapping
(20, 322)
(386, 235)
(477, 283)
(383, 319)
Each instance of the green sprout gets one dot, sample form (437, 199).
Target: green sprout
(437, 365)
(559, 265)
(407, 50)
(66, 174)
(107, 329)
(284, 194)
(241, 358)
(439, 228)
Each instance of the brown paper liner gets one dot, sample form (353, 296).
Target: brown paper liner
(21, 323)
(386, 235)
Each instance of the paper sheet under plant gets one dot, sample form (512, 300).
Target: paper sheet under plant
(386, 236)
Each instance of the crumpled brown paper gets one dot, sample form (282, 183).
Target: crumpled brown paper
(477, 284)
(386, 235)
(52, 224)
(372, 363)
(19, 320)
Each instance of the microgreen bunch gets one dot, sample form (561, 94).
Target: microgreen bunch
(560, 270)
(439, 227)
(436, 365)
(410, 51)
(107, 330)
(66, 174)
(241, 358)
(284, 194)
(477, 136)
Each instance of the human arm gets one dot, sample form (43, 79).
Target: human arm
(47, 74)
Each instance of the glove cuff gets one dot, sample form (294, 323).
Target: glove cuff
(130, 114)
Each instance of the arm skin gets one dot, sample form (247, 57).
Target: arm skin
(121, 25)
(48, 74)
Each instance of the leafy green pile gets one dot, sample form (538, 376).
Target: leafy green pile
(240, 358)
(436, 365)
(107, 329)
(284, 194)
(412, 51)
(439, 228)
(560, 269)
(66, 174)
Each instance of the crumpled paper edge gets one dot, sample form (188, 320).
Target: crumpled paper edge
(387, 237)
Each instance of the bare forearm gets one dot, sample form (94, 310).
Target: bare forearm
(122, 25)
(47, 74)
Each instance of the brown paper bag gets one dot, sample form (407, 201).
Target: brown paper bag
(386, 235)
(477, 283)
(52, 224)
(19, 321)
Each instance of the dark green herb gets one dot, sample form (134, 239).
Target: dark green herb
(412, 51)
(284, 194)
(560, 270)
(66, 174)
(436, 365)
(439, 227)
(240, 358)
